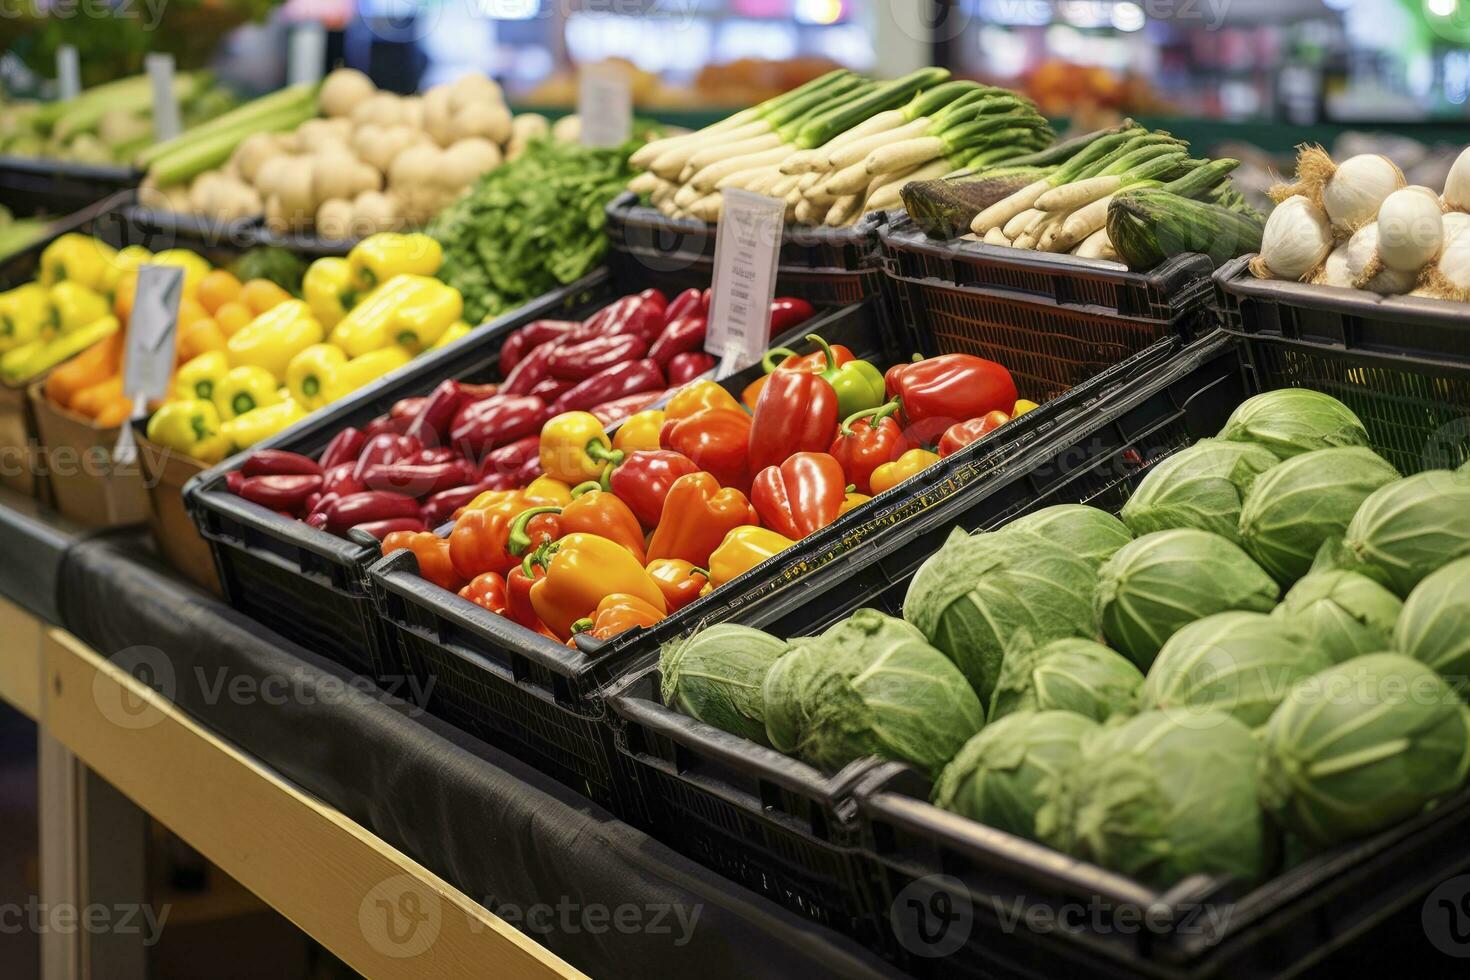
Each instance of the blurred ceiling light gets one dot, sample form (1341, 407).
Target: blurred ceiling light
(818, 11)
(509, 9)
(1128, 16)
(1442, 8)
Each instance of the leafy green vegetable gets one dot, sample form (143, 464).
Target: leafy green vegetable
(981, 594)
(1087, 532)
(1405, 530)
(285, 269)
(1305, 501)
(1290, 421)
(530, 226)
(1361, 746)
(871, 685)
(1200, 487)
(1239, 663)
(1004, 774)
(716, 674)
(1343, 613)
(1075, 675)
(1159, 799)
(1167, 579)
(1435, 625)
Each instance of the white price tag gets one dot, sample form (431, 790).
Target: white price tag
(148, 362)
(604, 105)
(307, 57)
(68, 72)
(166, 123)
(747, 249)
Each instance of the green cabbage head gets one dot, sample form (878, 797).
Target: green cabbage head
(1158, 800)
(871, 685)
(1167, 579)
(1434, 627)
(715, 675)
(1405, 530)
(1005, 773)
(1291, 421)
(1361, 746)
(1085, 531)
(1202, 487)
(1077, 675)
(1343, 614)
(981, 594)
(1305, 501)
(1238, 663)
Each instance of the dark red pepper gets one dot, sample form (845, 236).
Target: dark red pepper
(655, 298)
(384, 448)
(417, 480)
(407, 408)
(381, 529)
(681, 336)
(532, 368)
(788, 312)
(436, 414)
(510, 457)
(550, 389)
(529, 471)
(684, 368)
(278, 462)
(367, 507)
(642, 481)
(233, 481)
(686, 303)
(441, 506)
(796, 413)
(339, 480)
(618, 409)
(432, 454)
(484, 425)
(387, 423)
(287, 492)
(578, 362)
(343, 448)
(528, 338)
(644, 319)
(317, 520)
(597, 324)
(628, 378)
(475, 392)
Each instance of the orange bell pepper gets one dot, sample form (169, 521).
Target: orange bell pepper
(97, 363)
(616, 613)
(680, 581)
(892, 474)
(696, 397)
(432, 553)
(596, 511)
(91, 400)
(482, 540)
(114, 413)
(697, 516)
(581, 570)
(486, 591)
(639, 432)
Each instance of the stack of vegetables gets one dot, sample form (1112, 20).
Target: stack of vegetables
(840, 146)
(1356, 225)
(1271, 640)
(106, 124)
(1125, 194)
(266, 360)
(372, 161)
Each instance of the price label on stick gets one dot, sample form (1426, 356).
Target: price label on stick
(604, 105)
(68, 72)
(148, 362)
(747, 248)
(165, 100)
(306, 57)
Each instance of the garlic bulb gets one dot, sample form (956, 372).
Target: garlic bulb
(1449, 278)
(1410, 229)
(1457, 184)
(1296, 240)
(1456, 223)
(1368, 271)
(1335, 271)
(1353, 195)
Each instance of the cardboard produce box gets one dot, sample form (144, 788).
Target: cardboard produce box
(88, 485)
(165, 471)
(19, 444)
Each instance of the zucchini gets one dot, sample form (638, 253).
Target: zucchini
(1149, 225)
(945, 208)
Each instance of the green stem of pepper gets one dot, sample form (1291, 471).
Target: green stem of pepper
(873, 415)
(518, 540)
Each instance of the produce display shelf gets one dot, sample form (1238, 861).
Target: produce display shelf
(40, 186)
(218, 241)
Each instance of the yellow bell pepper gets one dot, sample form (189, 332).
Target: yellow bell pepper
(574, 448)
(742, 549)
(413, 311)
(456, 330)
(190, 426)
(76, 305)
(273, 338)
(851, 501)
(544, 491)
(77, 258)
(28, 360)
(262, 423)
(125, 261)
(308, 373)
(1022, 407)
(890, 475)
(199, 377)
(25, 313)
(328, 290)
(581, 570)
(639, 431)
(697, 396)
(378, 258)
(195, 266)
(363, 370)
(243, 390)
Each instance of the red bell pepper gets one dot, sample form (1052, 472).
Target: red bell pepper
(487, 591)
(385, 447)
(683, 305)
(867, 441)
(432, 553)
(381, 529)
(366, 507)
(343, 448)
(802, 495)
(796, 413)
(684, 368)
(717, 440)
(578, 362)
(697, 515)
(788, 312)
(532, 368)
(278, 462)
(431, 423)
(530, 337)
(681, 336)
(642, 481)
(418, 480)
(627, 378)
(286, 492)
(936, 393)
(492, 422)
(961, 434)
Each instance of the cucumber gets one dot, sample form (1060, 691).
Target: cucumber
(1149, 225)
(945, 208)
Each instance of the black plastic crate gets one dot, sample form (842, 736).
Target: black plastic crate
(774, 824)
(1054, 320)
(102, 219)
(220, 242)
(308, 246)
(826, 266)
(1402, 363)
(31, 186)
